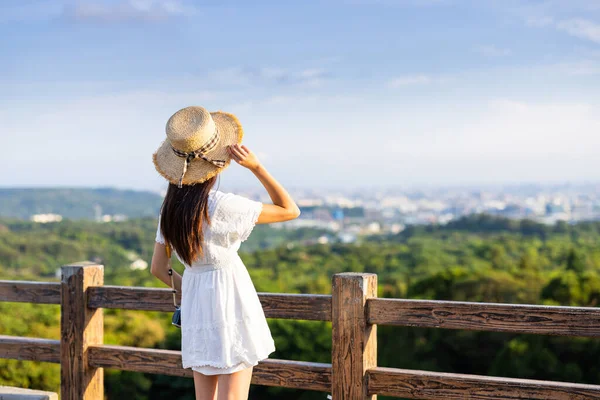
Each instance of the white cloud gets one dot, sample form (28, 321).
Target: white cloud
(401, 3)
(248, 76)
(32, 11)
(539, 21)
(518, 127)
(126, 10)
(507, 129)
(313, 77)
(581, 68)
(581, 28)
(563, 15)
(113, 134)
(556, 14)
(98, 10)
(503, 140)
(493, 51)
(428, 141)
(570, 5)
(409, 80)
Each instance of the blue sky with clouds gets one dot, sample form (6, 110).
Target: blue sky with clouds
(332, 93)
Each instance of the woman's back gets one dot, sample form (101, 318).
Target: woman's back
(232, 218)
(220, 310)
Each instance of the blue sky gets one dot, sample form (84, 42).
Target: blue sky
(333, 93)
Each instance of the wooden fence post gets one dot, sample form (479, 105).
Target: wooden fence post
(354, 347)
(80, 327)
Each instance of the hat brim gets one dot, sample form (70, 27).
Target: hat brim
(170, 166)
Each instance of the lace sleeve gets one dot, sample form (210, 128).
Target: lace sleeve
(240, 214)
(159, 236)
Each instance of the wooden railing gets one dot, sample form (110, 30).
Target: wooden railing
(354, 310)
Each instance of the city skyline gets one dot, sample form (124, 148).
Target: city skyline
(360, 93)
(367, 211)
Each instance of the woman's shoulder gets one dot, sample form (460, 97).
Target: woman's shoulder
(235, 213)
(217, 197)
(218, 200)
(231, 202)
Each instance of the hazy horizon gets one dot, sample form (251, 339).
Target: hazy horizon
(224, 185)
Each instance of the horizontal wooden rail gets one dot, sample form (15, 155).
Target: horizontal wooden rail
(131, 298)
(355, 311)
(289, 306)
(493, 317)
(30, 292)
(413, 384)
(410, 384)
(29, 349)
(293, 374)
(283, 373)
(313, 307)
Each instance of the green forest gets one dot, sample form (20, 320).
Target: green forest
(77, 203)
(476, 258)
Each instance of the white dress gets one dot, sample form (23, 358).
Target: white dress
(223, 326)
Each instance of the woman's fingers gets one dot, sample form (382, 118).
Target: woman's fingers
(243, 149)
(239, 150)
(236, 153)
(230, 151)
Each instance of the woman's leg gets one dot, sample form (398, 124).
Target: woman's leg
(235, 386)
(206, 386)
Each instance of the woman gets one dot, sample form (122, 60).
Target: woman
(224, 332)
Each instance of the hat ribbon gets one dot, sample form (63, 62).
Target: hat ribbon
(200, 153)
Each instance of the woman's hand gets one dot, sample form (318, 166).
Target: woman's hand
(283, 207)
(243, 156)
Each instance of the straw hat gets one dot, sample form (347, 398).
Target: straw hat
(196, 146)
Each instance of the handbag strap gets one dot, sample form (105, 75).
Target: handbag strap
(168, 251)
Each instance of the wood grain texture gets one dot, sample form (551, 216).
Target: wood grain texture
(30, 292)
(436, 385)
(354, 346)
(81, 327)
(132, 298)
(152, 361)
(30, 349)
(313, 307)
(283, 373)
(275, 305)
(543, 320)
(293, 374)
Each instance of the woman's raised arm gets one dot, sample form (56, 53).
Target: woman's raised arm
(283, 208)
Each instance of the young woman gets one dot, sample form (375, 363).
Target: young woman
(224, 332)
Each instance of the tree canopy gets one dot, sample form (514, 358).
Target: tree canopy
(478, 258)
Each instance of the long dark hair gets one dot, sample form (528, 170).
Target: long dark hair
(182, 215)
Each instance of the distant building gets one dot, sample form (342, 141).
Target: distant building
(396, 228)
(554, 208)
(309, 202)
(347, 237)
(45, 218)
(445, 218)
(308, 223)
(138, 264)
(338, 214)
(322, 214)
(372, 228)
(323, 240)
(113, 218)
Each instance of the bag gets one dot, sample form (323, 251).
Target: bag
(176, 319)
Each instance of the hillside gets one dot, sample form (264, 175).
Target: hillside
(78, 203)
(479, 258)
